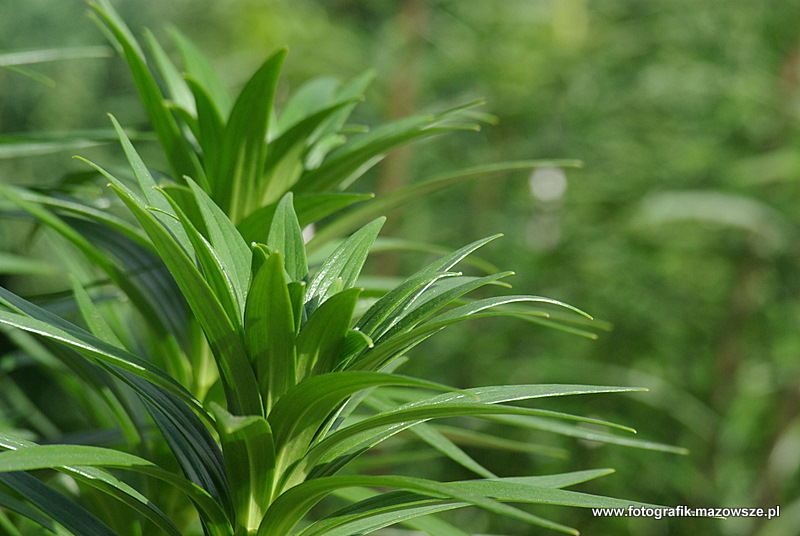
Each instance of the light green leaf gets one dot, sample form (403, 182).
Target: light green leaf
(390, 348)
(108, 484)
(540, 423)
(180, 156)
(344, 265)
(233, 250)
(250, 460)
(286, 236)
(178, 91)
(289, 508)
(369, 147)
(119, 276)
(148, 187)
(245, 142)
(372, 430)
(30, 57)
(298, 415)
(38, 321)
(218, 278)
(19, 264)
(436, 439)
(210, 128)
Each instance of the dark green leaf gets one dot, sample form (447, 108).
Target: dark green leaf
(323, 335)
(270, 331)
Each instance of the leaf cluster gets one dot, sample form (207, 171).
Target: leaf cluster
(243, 378)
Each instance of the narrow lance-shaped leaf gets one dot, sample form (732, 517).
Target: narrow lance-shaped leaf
(245, 141)
(41, 322)
(218, 278)
(366, 148)
(398, 506)
(298, 415)
(310, 209)
(234, 252)
(108, 484)
(323, 335)
(393, 347)
(57, 456)
(75, 518)
(118, 275)
(210, 127)
(288, 509)
(269, 331)
(148, 187)
(181, 158)
(437, 440)
(344, 265)
(178, 92)
(225, 341)
(286, 236)
(372, 430)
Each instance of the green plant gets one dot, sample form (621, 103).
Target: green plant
(226, 364)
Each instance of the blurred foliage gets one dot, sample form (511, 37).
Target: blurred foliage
(681, 229)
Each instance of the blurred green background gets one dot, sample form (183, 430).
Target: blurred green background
(680, 230)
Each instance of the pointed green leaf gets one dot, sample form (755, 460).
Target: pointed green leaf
(181, 158)
(389, 508)
(269, 331)
(440, 293)
(210, 130)
(289, 508)
(245, 141)
(147, 306)
(233, 250)
(225, 341)
(540, 423)
(286, 236)
(392, 347)
(344, 264)
(226, 264)
(148, 186)
(108, 484)
(302, 410)
(375, 429)
(59, 456)
(437, 440)
(368, 147)
(324, 334)
(41, 322)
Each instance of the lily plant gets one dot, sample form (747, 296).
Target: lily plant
(239, 370)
